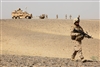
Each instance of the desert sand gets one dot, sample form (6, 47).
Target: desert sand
(47, 38)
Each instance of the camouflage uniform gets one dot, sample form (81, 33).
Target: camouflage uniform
(77, 39)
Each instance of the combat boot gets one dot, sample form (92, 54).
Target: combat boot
(83, 60)
(73, 58)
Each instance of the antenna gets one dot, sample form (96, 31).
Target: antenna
(26, 9)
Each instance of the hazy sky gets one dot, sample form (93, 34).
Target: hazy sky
(87, 9)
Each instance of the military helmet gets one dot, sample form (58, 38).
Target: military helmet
(75, 20)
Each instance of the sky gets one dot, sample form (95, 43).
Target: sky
(87, 9)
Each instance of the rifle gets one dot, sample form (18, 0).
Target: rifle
(82, 33)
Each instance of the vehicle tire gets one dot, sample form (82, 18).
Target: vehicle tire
(18, 17)
(27, 17)
(13, 17)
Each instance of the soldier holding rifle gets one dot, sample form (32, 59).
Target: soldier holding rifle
(77, 35)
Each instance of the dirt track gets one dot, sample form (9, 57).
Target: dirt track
(47, 38)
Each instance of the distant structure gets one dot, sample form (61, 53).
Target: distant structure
(70, 16)
(57, 16)
(66, 16)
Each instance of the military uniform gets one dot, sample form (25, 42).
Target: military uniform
(77, 39)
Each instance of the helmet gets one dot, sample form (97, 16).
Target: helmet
(75, 20)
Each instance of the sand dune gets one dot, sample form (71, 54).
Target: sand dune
(48, 37)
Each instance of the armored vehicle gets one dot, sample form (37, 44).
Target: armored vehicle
(42, 16)
(18, 14)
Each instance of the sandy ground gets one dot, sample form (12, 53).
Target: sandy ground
(47, 38)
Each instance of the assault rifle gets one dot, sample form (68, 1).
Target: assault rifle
(83, 33)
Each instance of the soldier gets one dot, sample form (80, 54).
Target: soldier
(46, 16)
(70, 16)
(57, 16)
(66, 16)
(77, 35)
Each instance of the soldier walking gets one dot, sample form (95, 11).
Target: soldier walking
(66, 16)
(77, 35)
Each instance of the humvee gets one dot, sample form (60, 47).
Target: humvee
(18, 14)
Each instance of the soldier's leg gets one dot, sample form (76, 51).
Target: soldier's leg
(74, 54)
(80, 54)
(80, 51)
(75, 50)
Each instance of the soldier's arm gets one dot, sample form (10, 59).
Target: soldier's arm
(85, 34)
(82, 31)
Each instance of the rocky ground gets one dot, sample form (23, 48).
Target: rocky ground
(36, 61)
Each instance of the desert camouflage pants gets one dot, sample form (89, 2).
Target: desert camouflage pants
(77, 49)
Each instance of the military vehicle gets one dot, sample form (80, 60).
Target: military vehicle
(42, 16)
(18, 14)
